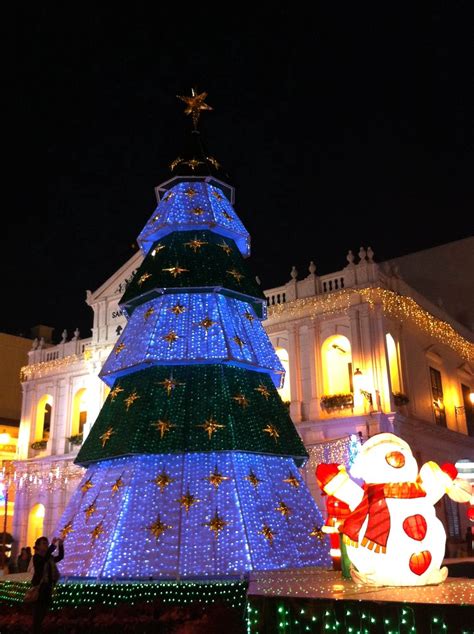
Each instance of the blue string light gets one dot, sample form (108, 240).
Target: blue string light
(187, 547)
(209, 328)
(196, 205)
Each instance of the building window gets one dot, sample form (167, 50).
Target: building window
(44, 412)
(35, 523)
(452, 517)
(393, 364)
(47, 421)
(284, 391)
(337, 365)
(468, 408)
(79, 412)
(437, 394)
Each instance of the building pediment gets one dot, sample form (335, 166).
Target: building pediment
(116, 284)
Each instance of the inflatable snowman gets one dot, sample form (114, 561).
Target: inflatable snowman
(392, 534)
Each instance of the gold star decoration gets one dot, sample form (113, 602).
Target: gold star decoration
(163, 426)
(131, 398)
(119, 348)
(235, 274)
(227, 215)
(169, 385)
(115, 392)
(195, 104)
(193, 163)
(66, 530)
(175, 163)
(267, 532)
(90, 510)
(225, 247)
(272, 431)
(159, 247)
(292, 480)
(104, 439)
(155, 219)
(171, 337)
(252, 478)
(148, 313)
(241, 400)
(158, 528)
(163, 480)
(177, 309)
(216, 478)
(117, 485)
(143, 278)
(284, 509)
(238, 341)
(187, 501)
(216, 194)
(213, 162)
(97, 532)
(176, 270)
(317, 533)
(87, 485)
(195, 244)
(249, 317)
(197, 211)
(206, 323)
(168, 197)
(210, 426)
(216, 524)
(190, 192)
(263, 390)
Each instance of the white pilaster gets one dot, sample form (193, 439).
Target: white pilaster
(295, 373)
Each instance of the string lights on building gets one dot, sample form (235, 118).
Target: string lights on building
(399, 307)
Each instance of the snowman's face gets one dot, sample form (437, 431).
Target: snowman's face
(386, 462)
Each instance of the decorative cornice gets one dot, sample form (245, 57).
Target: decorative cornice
(399, 307)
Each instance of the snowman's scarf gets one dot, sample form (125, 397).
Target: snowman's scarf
(375, 506)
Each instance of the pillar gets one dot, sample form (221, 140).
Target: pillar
(315, 368)
(295, 373)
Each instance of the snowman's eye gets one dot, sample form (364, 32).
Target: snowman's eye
(395, 459)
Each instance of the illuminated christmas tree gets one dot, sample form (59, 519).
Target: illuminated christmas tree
(192, 463)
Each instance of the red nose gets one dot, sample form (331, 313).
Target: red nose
(395, 459)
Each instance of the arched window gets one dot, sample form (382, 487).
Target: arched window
(79, 412)
(337, 365)
(284, 391)
(393, 363)
(44, 411)
(35, 524)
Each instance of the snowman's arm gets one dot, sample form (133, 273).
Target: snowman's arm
(334, 480)
(438, 481)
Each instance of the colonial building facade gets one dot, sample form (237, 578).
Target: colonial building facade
(363, 352)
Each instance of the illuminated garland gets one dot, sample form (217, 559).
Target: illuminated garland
(49, 476)
(336, 302)
(45, 367)
(340, 451)
(394, 305)
(405, 308)
(78, 594)
(295, 614)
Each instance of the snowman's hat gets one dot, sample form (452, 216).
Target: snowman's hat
(382, 439)
(377, 440)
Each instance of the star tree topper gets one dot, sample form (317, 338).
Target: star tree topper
(195, 104)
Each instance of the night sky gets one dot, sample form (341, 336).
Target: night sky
(340, 126)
